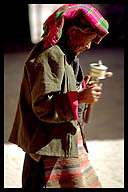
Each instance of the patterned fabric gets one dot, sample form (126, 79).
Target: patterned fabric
(71, 172)
(54, 24)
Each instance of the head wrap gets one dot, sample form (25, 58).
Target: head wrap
(53, 26)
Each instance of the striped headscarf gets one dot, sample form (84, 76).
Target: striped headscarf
(53, 26)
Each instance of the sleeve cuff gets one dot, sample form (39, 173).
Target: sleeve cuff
(73, 98)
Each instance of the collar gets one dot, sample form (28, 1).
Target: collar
(72, 60)
(64, 47)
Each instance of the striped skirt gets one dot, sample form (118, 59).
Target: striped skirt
(71, 172)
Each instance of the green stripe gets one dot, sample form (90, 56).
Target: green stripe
(90, 12)
(83, 6)
(60, 33)
(59, 14)
(102, 23)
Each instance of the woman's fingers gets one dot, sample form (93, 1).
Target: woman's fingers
(91, 94)
(87, 79)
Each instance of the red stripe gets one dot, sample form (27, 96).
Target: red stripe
(56, 176)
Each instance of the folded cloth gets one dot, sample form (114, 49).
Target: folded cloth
(54, 24)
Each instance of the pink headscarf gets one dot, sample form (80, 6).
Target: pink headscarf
(54, 24)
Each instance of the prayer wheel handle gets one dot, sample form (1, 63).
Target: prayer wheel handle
(97, 71)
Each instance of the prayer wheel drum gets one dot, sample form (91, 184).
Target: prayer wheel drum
(98, 70)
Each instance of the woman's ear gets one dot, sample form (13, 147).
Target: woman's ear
(72, 29)
(71, 32)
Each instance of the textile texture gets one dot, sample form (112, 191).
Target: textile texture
(33, 175)
(53, 26)
(71, 172)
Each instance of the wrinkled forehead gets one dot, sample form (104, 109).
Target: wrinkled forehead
(79, 23)
(81, 34)
(88, 30)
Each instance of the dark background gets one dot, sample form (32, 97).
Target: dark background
(106, 121)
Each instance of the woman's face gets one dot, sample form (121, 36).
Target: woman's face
(80, 40)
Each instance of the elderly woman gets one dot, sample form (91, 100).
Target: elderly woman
(52, 99)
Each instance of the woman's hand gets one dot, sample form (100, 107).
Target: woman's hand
(91, 94)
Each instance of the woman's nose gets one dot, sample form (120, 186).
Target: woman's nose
(88, 45)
